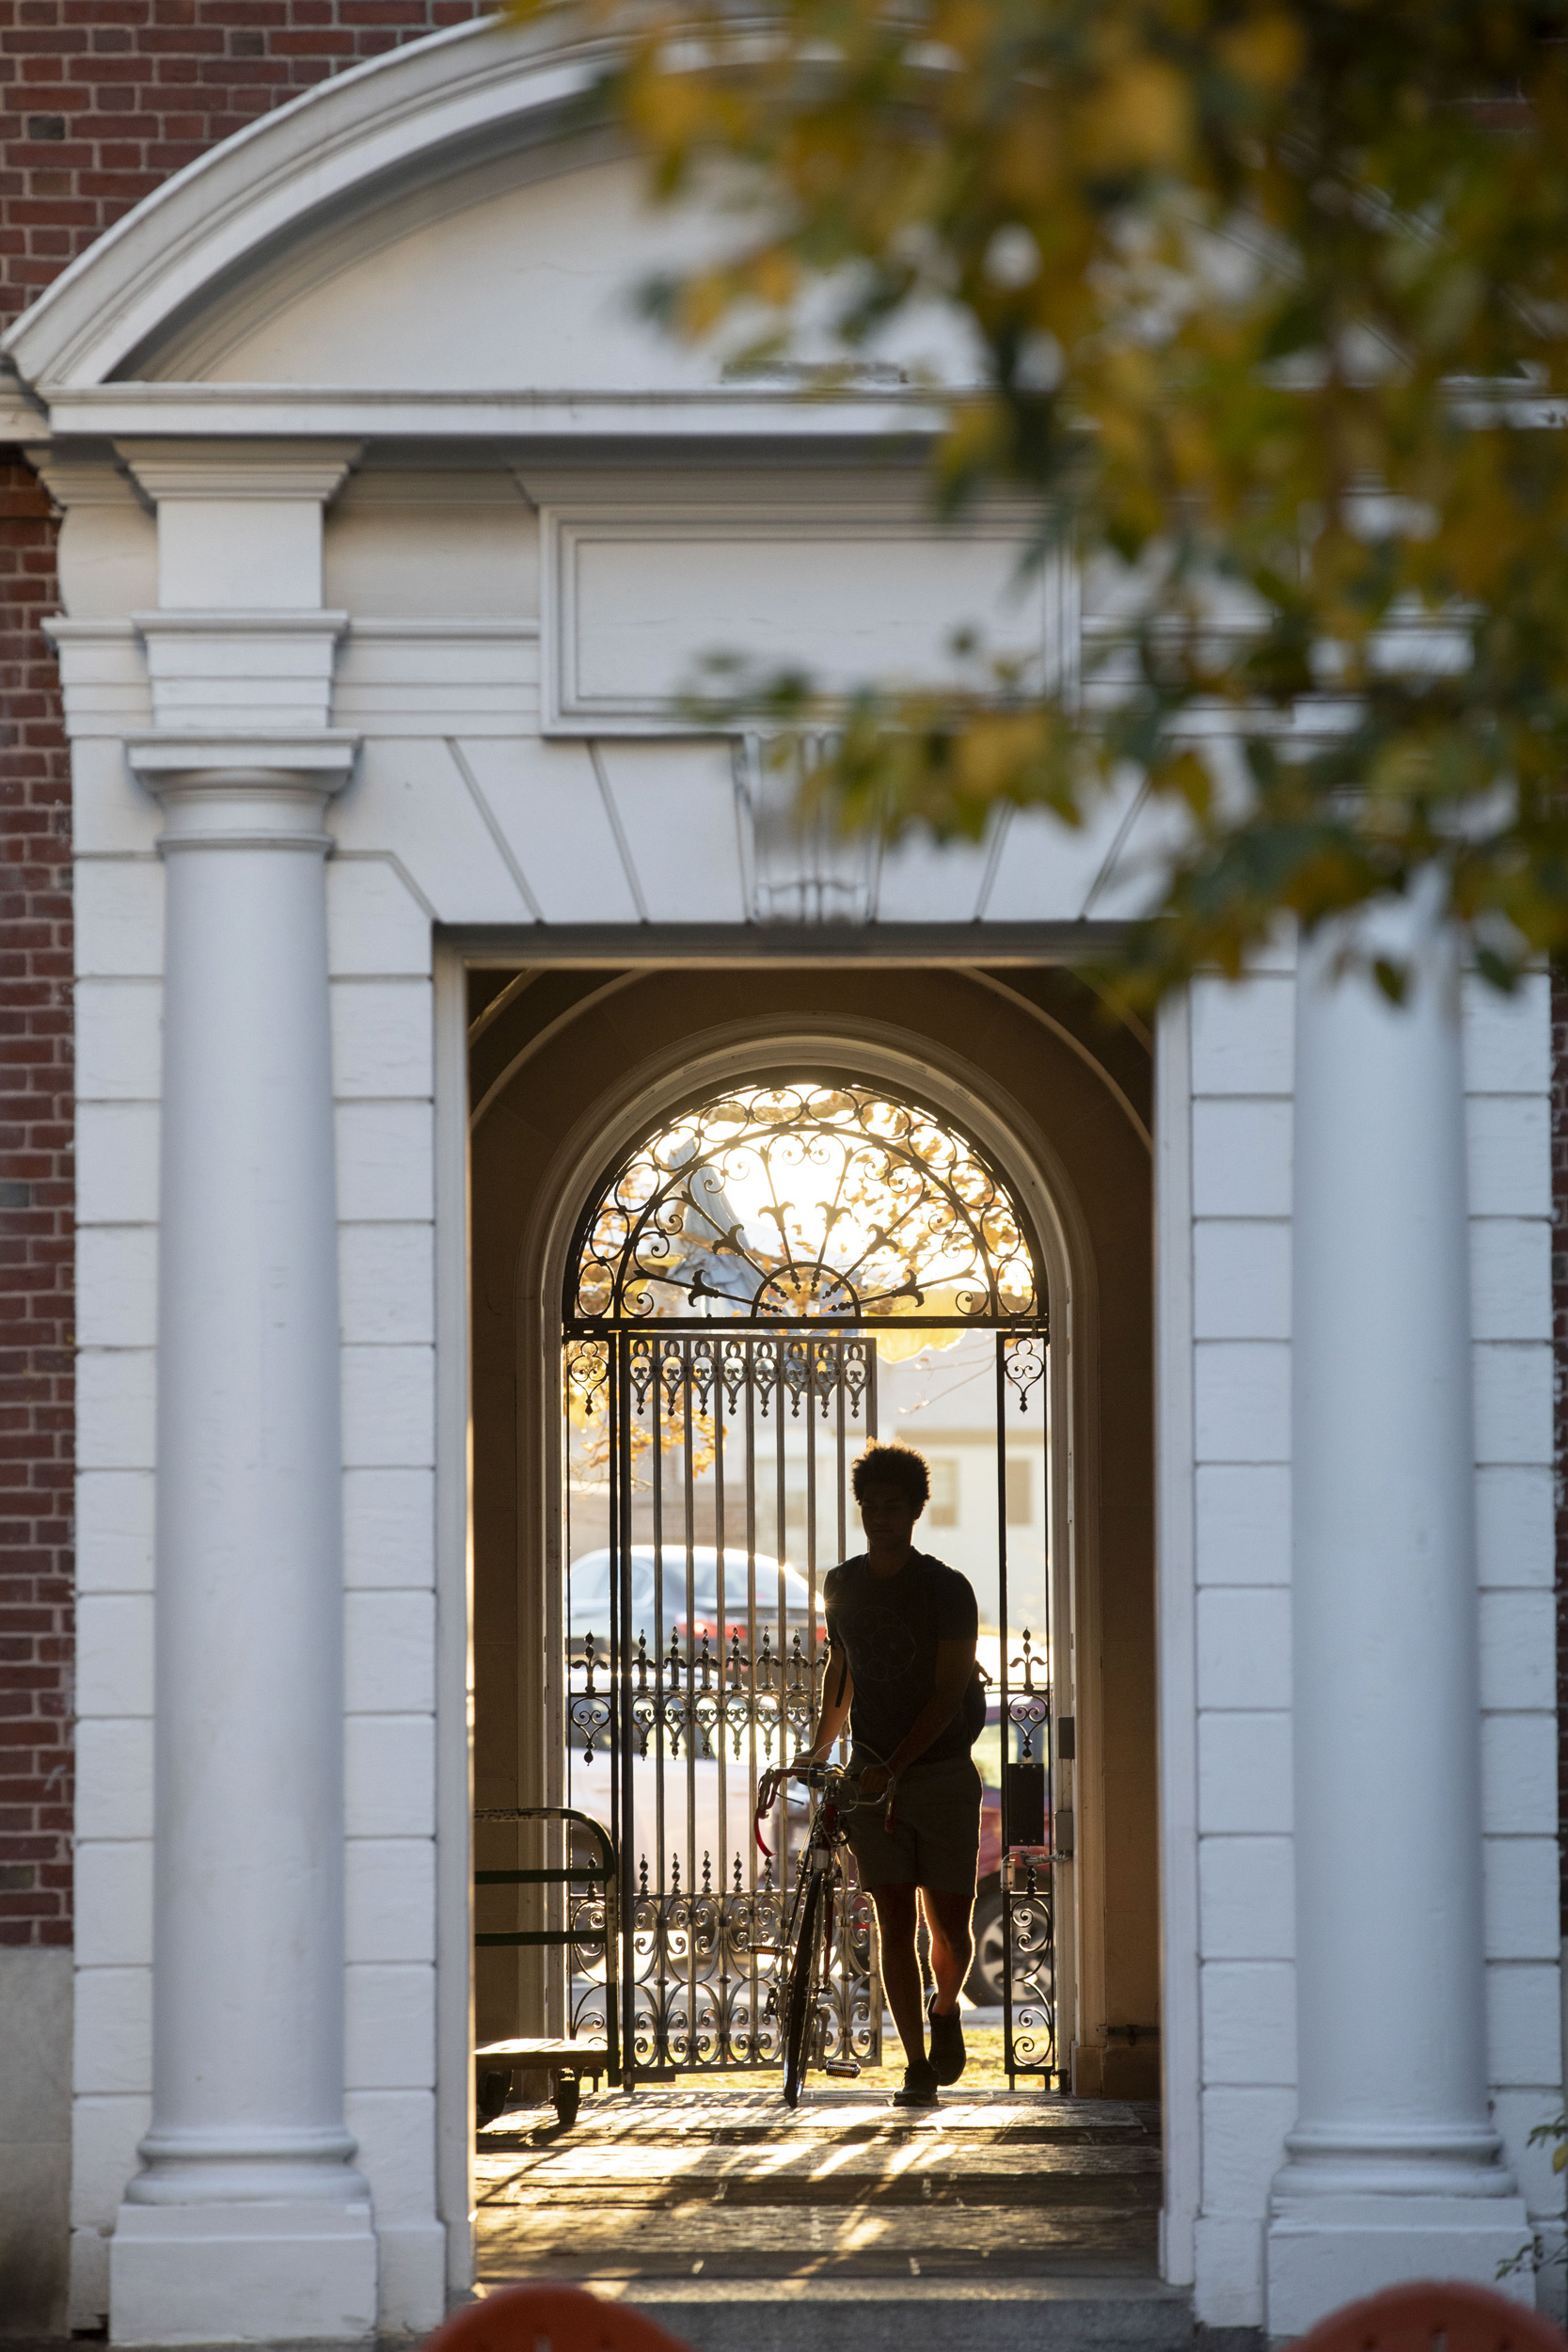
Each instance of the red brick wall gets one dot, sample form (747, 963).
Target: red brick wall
(35, 1239)
(100, 100)
(105, 97)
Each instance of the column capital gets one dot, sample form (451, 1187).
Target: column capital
(171, 762)
(264, 789)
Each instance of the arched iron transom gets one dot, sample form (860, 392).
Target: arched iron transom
(806, 1201)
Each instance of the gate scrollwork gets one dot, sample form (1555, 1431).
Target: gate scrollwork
(800, 1202)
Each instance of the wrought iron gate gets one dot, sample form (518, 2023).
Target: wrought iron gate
(717, 1385)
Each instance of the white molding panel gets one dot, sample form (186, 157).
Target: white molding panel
(635, 597)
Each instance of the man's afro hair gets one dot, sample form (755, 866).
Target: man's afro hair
(897, 1466)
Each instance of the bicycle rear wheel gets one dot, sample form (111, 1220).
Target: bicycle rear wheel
(802, 1972)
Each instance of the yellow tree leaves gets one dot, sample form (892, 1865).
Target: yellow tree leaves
(1272, 302)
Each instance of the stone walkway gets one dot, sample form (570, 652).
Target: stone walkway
(985, 2222)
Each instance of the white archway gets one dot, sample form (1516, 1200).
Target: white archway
(905, 1064)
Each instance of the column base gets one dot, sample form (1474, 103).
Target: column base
(242, 2274)
(1321, 2252)
(413, 2262)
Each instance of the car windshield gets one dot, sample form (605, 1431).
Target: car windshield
(589, 1592)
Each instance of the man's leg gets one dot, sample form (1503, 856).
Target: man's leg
(948, 1917)
(895, 1915)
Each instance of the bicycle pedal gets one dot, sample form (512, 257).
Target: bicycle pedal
(842, 2069)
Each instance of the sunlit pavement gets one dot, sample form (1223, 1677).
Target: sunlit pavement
(991, 2219)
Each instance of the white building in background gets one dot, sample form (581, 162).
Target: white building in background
(391, 540)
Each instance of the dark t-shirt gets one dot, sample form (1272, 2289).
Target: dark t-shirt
(889, 1628)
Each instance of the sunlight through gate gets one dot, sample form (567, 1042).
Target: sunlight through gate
(748, 1289)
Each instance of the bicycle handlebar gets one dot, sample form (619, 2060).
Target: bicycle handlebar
(833, 1779)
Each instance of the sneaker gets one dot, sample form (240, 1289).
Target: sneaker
(948, 2055)
(920, 2087)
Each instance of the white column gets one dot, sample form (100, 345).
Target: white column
(249, 2216)
(1393, 2170)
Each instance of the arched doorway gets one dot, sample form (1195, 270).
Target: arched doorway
(766, 1278)
(570, 1069)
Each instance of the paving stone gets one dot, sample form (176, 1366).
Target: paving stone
(721, 2211)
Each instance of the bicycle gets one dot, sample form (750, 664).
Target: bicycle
(807, 1952)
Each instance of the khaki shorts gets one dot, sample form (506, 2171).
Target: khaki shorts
(935, 1839)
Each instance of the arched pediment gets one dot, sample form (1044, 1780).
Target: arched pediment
(445, 220)
(515, 274)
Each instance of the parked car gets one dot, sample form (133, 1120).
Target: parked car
(589, 1590)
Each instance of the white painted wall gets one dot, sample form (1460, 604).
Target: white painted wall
(383, 1079)
(119, 1000)
(1241, 1195)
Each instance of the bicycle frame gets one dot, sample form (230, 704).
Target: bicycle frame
(806, 1953)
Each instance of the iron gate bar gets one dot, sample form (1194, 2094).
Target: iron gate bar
(660, 2051)
(754, 1975)
(688, 1404)
(621, 1579)
(850, 1327)
(1005, 1738)
(721, 1727)
(1026, 1714)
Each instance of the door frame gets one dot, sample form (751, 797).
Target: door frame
(1028, 1162)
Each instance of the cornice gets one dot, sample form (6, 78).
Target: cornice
(74, 479)
(61, 630)
(225, 414)
(241, 621)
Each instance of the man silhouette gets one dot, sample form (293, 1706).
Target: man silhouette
(901, 1629)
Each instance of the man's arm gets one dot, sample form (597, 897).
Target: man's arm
(955, 1665)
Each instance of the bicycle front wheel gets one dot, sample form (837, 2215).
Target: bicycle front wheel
(802, 1972)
